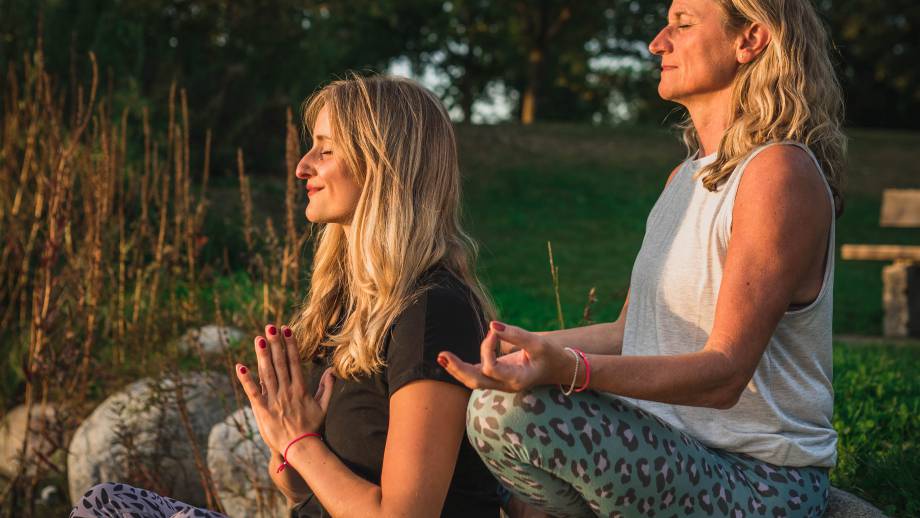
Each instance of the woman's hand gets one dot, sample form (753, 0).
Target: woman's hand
(535, 362)
(280, 403)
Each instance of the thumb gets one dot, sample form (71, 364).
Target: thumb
(324, 391)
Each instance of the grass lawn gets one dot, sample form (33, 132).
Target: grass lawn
(588, 191)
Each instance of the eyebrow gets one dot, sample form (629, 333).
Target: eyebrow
(321, 137)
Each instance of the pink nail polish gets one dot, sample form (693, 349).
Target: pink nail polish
(262, 343)
(498, 326)
(442, 361)
(288, 332)
(272, 331)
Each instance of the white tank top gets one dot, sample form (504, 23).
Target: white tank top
(784, 414)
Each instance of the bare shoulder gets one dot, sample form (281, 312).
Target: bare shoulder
(784, 176)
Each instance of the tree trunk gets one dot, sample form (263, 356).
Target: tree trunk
(529, 97)
(542, 26)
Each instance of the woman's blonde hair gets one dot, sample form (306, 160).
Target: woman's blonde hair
(397, 140)
(788, 92)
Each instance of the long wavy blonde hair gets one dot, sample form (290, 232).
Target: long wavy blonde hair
(788, 92)
(396, 138)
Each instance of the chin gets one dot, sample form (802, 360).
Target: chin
(311, 217)
(664, 91)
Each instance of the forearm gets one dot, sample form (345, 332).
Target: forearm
(289, 481)
(706, 378)
(338, 489)
(605, 339)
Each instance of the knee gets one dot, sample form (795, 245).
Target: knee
(97, 498)
(498, 419)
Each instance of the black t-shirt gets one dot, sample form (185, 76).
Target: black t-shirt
(444, 318)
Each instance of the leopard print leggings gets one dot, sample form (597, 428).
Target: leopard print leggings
(594, 454)
(116, 500)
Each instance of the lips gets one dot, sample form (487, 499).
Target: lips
(313, 190)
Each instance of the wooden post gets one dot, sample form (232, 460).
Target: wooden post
(901, 299)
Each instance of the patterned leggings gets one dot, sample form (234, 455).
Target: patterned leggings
(124, 501)
(595, 454)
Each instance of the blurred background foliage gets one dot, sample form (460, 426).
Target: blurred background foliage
(244, 62)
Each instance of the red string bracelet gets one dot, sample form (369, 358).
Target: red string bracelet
(284, 461)
(584, 358)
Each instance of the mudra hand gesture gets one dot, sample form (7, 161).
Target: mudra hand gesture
(536, 361)
(282, 407)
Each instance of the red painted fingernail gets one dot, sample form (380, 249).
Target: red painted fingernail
(262, 343)
(498, 326)
(243, 369)
(288, 332)
(272, 331)
(442, 361)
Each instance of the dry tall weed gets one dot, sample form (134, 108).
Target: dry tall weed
(101, 264)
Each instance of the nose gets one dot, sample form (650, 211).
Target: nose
(661, 44)
(304, 169)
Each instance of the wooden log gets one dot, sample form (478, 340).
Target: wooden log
(880, 253)
(900, 208)
(901, 300)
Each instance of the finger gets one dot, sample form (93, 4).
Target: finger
(520, 337)
(324, 393)
(253, 392)
(487, 352)
(293, 351)
(320, 386)
(468, 374)
(266, 369)
(508, 347)
(279, 357)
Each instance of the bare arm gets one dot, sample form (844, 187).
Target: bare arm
(780, 225)
(779, 231)
(605, 338)
(423, 440)
(289, 482)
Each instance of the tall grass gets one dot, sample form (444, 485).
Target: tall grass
(102, 217)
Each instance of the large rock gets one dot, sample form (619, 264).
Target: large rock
(137, 436)
(238, 461)
(844, 505)
(210, 339)
(13, 433)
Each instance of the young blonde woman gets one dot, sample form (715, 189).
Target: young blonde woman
(711, 394)
(374, 427)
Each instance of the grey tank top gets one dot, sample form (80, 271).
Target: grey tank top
(784, 414)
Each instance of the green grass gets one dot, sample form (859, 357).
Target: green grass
(877, 401)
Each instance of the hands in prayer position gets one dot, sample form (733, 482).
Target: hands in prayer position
(282, 407)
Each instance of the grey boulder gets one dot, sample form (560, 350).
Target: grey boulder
(844, 505)
(238, 461)
(209, 339)
(13, 433)
(138, 436)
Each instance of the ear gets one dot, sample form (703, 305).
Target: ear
(751, 42)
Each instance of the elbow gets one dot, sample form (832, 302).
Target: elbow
(724, 399)
(727, 394)
(727, 382)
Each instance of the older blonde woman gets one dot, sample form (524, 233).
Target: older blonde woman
(712, 392)
(375, 427)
